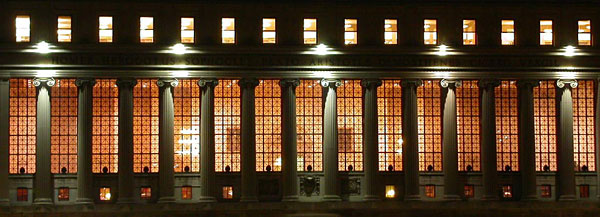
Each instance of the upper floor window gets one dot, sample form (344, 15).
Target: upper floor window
(310, 31)
(23, 28)
(228, 30)
(269, 33)
(430, 32)
(187, 30)
(584, 36)
(546, 35)
(63, 30)
(469, 32)
(350, 31)
(508, 32)
(105, 29)
(146, 29)
(390, 35)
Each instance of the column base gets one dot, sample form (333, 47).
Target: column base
(290, 198)
(569, 197)
(43, 201)
(451, 197)
(415, 197)
(249, 199)
(125, 201)
(489, 197)
(371, 198)
(331, 198)
(207, 199)
(84, 201)
(169, 199)
(4, 202)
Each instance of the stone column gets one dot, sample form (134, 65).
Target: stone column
(43, 186)
(597, 135)
(527, 139)
(166, 173)
(488, 139)
(249, 185)
(370, 139)
(85, 182)
(126, 140)
(207, 140)
(450, 140)
(289, 139)
(566, 163)
(330, 143)
(4, 134)
(410, 146)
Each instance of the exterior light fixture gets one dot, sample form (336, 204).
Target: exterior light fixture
(178, 49)
(442, 50)
(321, 49)
(569, 51)
(42, 47)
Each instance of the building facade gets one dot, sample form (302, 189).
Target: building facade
(117, 104)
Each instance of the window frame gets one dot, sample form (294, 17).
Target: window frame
(437, 39)
(70, 29)
(355, 32)
(316, 31)
(514, 32)
(590, 33)
(268, 31)
(395, 40)
(540, 33)
(28, 16)
(193, 30)
(234, 31)
(141, 41)
(475, 38)
(111, 29)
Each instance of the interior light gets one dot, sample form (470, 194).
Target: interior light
(569, 51)
(178, 49)
(42, 47)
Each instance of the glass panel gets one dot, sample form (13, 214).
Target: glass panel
(508, 32)
(507, 126)
(186, 193)
(546, 36)
(105, 194)
(22, 28)
(430, 32)
(584, 30)
(105, 26)
(469, 32)
(309, 119)
(467, 109)
(430, 126)
(145, 126)
(389, 110)
(227, 126)
(349, 109)
(105, 126)
(391, 31)
(269, 31)
(228, 30)
(146, 29)
(268, 126)
(544, 107)
(63, 131)
(350, 31)
(22, 128)
(186, 102)
(64, 29)
(584, 140)
(187, 30)
(310, 31)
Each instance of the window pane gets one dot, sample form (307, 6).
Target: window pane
(145, 126)
(467, 109)
(391, 31)
(508, 32)
(389, 110)
(350, 31)
(105, 126)
(584, 32)
(23, 31)
(430, 126)
(309, 119)
(228, 30)
(310, 31)
(507, 126)
(22, 129)
(63, 133)
(146, 29)
(105, 26)
(584, 139)
(269, 31)
(430, 32)
(546, 36)
(469, 32)
(187, 30)
(349, 109)
(186, 102)
(227, 126)
(268, 125)
(544, 102)
(64, 29)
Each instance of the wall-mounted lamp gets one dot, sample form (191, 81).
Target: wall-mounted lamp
(442, 50)
(42, 47)
(570, 51)
(178, 49)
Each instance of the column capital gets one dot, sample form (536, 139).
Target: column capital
(49, 82)
(248, 82)
(167, 82)
(331, 82)
(528, 83)
(411, 82)
(128, 82)
(488, 83)
(371, 83)
(80, 82)
(561, 83)
(294, 82)
(208, 82)
(449, 83)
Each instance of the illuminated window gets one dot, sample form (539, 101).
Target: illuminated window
(268, 125)
(186, 102)
(430, 32)
(430, 126)
(187, 30)
(390, 35)
(544, 108)
(584, 139)
(546, 191)
(105, 194)
(63, 194)
(23, 28)
(22, 194)
(146, 29)
(269, 31)
(507, 191)
(430, 191)
(508, 32)
(105, 29)
(309, 119)
(546, 36)
(584, 30)
(349, 109)
(228, 30)
(584, 191)
(469, 191)
(467, 109)
(469, 32)
(63, 131)
(64, 29)
(389, 109)
(186, 192)
(105, 126)
(145, 193)
(390, 191)
(22, 129)
(350, 31)
(507, 127)
(310, 31)
(145, 126)
(227, 126)
(227, 192)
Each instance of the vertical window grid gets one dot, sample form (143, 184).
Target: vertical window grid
(389, 110)
(105, 126)
(310, 31)
(105, 29)
(228, 30)
(350, 31)
(309, 118)
(63, 31)
(186, 101)
(584, 140)
(584, 35)
(22, 28)
(390, 27)
(430, 32)
(467, 101)
(187, 30)
(430, 126)
(22, 130)
(227, 126)
(469, 32)
(544, 107)
(508, 32)
(350, 141)
(63, 130)
(546, 35)
(507, 126)
(145, 126)
(147, 29)
(268, 126)
(269, 33)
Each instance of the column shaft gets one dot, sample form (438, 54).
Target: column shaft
(166, 120)
(289, 139)
(566, 164)
(126, 140)
(527, 139)
(330, 143)
(450, 141)
(84, 141)
(4, 141)
(410, 146)
(43, 184)
(249, 187)
(207, 140)
(597, 136)
(370, 139)
(488, 139)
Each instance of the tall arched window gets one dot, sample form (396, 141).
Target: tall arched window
(430, 125)
(389, 111)
(145, 126)
(507, 126)
(544, 107)
(467, 109)
(22, 129)
(309, 119)
(63, 133)
(349, 109)
(268, 125)
(105, 126)
(584, 140)
(227, 126)
(186, 102)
